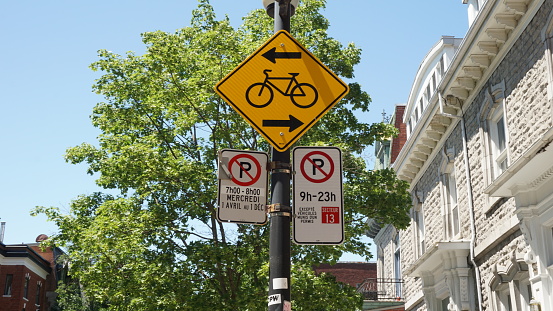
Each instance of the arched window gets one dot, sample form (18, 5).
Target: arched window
(510, 286)
(496, 136)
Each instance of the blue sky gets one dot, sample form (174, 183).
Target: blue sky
(45, 82)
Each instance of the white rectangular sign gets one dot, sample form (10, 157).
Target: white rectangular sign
(243, 181)
(274, 299)
(318, 196)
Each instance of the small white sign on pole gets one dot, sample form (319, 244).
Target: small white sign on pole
(243, 181)
(318, 196)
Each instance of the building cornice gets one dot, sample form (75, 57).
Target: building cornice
(527, 173)
(434, 257)
(488, 40)
(25, 256)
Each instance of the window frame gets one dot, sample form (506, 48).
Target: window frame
(450, 200)
(498, 137)
(452, 203)
(511, 288)
(38, 293)
(397, 265)
(380, 261)
(26, 287)
(492, 105)
(441, 67)
(444, 303)
(8, 285)
(418, 222)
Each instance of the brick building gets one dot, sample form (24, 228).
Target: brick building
(386, 151)
(28, 277)
(351, 273)
(362, 276)
(479, 123)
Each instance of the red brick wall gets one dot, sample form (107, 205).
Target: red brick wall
(16, 302)
(399, 141)
(352, 273)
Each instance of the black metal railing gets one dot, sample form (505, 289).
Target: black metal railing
(381, 289)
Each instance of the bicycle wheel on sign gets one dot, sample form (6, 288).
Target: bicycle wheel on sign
(259, 95)
(304, 95)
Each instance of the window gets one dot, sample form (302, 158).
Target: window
(37, 300)
(26, 287)
(511, 287)
(397, 265)
(428, 93)
(501, 156)
(498, 137)
(452, 206)
(495, 125)
(449, 195)
(442, 66)
(380, 262)
(514, 294)
(445, 304)
(505, 300)
(8, 286)
(495, 135)
(418, 220)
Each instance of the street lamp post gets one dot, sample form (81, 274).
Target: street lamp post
(286, 8)
(280, 210)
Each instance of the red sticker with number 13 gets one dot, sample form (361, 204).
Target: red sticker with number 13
(330, 215)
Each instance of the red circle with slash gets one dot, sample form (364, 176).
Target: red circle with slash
(249, 179)
(326, 173)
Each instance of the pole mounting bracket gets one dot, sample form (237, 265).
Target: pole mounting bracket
(279, 208)
(280, 167)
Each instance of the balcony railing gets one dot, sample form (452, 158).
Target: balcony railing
(381, 289)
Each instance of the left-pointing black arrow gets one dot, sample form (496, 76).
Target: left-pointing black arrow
(292, 123)
(272, 55)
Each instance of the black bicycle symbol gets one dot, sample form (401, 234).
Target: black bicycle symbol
(303, 95)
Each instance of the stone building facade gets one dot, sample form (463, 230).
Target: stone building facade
(478, 157)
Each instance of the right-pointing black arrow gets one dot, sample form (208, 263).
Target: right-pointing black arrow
(292, 123)
(272, 55)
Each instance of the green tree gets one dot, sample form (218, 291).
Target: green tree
(152, 241)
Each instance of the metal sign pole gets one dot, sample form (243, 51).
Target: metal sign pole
(280, 211)
(282, 125)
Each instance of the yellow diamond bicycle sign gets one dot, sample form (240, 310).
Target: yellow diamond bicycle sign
(282, 90)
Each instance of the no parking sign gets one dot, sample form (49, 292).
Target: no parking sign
(318, 202)
(242, 186)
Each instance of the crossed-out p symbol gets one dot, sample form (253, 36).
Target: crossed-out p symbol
(245, 169)
(314, 166)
